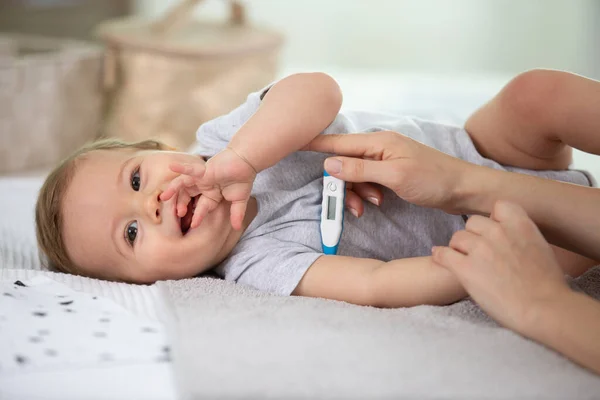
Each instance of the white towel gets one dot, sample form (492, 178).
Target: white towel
(235, 342)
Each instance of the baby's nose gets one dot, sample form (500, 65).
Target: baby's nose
(153, 207)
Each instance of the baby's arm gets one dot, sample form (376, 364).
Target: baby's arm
(293, 112)
(399, 283)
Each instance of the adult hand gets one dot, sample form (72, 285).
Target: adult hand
(415, 172)
(505, 265)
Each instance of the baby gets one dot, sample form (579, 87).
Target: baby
(141, 212)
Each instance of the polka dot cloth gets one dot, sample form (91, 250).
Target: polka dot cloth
(45, 325)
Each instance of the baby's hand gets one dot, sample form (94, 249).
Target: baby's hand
(225, 176)
(190, 184)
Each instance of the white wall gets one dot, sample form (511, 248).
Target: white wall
(465, 36)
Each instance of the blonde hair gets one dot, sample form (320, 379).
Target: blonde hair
(48, 210)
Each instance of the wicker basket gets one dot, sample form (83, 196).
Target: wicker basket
(50, 99)
(167, 77)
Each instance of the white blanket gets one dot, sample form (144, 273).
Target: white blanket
(235, 342)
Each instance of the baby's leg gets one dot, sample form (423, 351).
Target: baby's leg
(536, 118)
(533, 122)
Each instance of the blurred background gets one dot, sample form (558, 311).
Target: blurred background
(431, 58)
(459, 36)
(438, 36)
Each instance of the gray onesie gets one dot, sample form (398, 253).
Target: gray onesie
(283, 240)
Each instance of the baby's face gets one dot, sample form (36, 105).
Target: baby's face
(116, 226)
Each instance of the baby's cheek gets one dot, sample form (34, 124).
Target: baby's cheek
(156, 260)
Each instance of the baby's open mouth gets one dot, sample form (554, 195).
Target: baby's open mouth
(186, 220)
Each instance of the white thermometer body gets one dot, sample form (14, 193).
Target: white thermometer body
(332, 213)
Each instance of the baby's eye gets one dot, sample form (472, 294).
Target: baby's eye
(131, 233)
(135, 179)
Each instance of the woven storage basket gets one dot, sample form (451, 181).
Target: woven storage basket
(50, 99)
(168, 77)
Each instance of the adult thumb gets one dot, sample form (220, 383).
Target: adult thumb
(352, 169)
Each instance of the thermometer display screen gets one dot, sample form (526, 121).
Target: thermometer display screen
(330, 207)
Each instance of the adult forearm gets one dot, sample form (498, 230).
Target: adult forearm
(293, 112)
(568, 215)
(569, 324)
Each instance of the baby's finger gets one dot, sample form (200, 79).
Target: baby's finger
(174, 187)
(167, 194)
(195, 170)
(183, 199)
(238, 211)
(203, 207)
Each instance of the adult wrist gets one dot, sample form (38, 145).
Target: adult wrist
(543, 317)
(474, 191)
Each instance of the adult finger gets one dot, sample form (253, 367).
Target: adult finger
(354, 203)
(352, 145)
(369, 192)
(451, 259)
(360, 170)
(464, 241)
(515, 220)
(479, 224)
(505, 211)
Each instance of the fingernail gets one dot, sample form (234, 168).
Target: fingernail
(333, 165)
(373, 200)
(353, 212)
(434, 250)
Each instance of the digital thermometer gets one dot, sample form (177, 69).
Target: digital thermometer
(332, 213)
